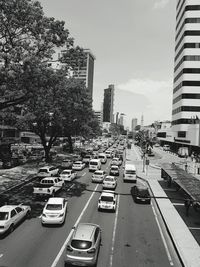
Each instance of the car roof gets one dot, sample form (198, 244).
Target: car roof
(55, 200)
(110, 176)
(7, 208)
(78, 161)
(49, 178)
(108, 194)
(114, 166)
(99, 172)
(84, 231)
(130, 167)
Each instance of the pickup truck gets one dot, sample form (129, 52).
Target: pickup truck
(48, 186)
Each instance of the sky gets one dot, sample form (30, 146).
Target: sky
(133, 42)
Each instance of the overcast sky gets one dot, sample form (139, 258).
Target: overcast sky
(133, 42)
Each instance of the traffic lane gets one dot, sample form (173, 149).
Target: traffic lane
(106, 222)
(138, 239)
(37, 245)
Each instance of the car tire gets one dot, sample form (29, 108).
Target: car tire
(11, 228)
(28, 215)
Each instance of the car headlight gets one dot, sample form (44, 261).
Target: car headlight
(44, 215)
(61, 215)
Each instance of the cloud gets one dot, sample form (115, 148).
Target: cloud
(149, 97)
(160, 4)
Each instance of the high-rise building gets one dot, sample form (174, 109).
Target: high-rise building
(108, 104)
(86, 73)
(133, 124)
(99, 116)
(186, 90)
(121, 119)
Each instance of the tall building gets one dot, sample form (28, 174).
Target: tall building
(121, 119)
(186, 90)
(99, 116)
(86, 73)
(108, 104)
(133, 124)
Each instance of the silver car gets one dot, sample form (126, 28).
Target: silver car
(83, 247)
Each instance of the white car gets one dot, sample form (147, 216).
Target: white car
(11, 215)
(114, 170)
(116, 161)
(68, 175)
(109, 182)
(107, 201)
(47, 171)
(78, 165)
(98, 176)
(54, 211)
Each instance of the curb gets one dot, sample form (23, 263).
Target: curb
(166, 226)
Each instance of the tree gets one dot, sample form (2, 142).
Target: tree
(27, 38)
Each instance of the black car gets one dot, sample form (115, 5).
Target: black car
(141, 194)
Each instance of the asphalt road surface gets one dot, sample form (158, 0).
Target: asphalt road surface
(132, 236)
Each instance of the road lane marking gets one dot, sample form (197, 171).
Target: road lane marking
(83, 174)
(178, 204)
(1, 255)
(114, 233)
(194, 228)
(71, 232)
(163, 238)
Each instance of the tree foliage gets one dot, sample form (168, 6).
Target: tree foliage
(27, 38)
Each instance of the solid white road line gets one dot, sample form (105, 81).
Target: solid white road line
(178, 204)
(70, 234)
(194, 228)
(163, 239)
(114, 233)
(1, 255)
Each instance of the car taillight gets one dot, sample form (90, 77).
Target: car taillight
(69, 248)
(92, 250)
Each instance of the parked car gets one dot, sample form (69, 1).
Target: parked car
(11, 215)
(98, 176)
(114, 170)
(141, 194)
(107, 201)
(109, 182)
(67, 163)
(48, 186)
(48, 171)
(166, 148)
(68, 175)
(54, 211)
(78, 165)
(83, 246)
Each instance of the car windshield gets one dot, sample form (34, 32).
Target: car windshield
(66, 172)
(81, 244)
(109, 179)
(43, 170)
(54, 207)
(114, 168)
(4, 216)
(87, 157)
(130, 172)
(93, 163)
(107, 198)
(98, 173)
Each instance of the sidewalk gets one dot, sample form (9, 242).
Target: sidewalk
(187, 247)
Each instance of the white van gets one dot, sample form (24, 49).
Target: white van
(94, 165)
(103, 157)
(129, 173)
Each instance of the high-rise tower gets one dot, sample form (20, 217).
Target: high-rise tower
(108, 104)
(186, 91)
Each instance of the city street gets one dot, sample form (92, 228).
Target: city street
(131, 235)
